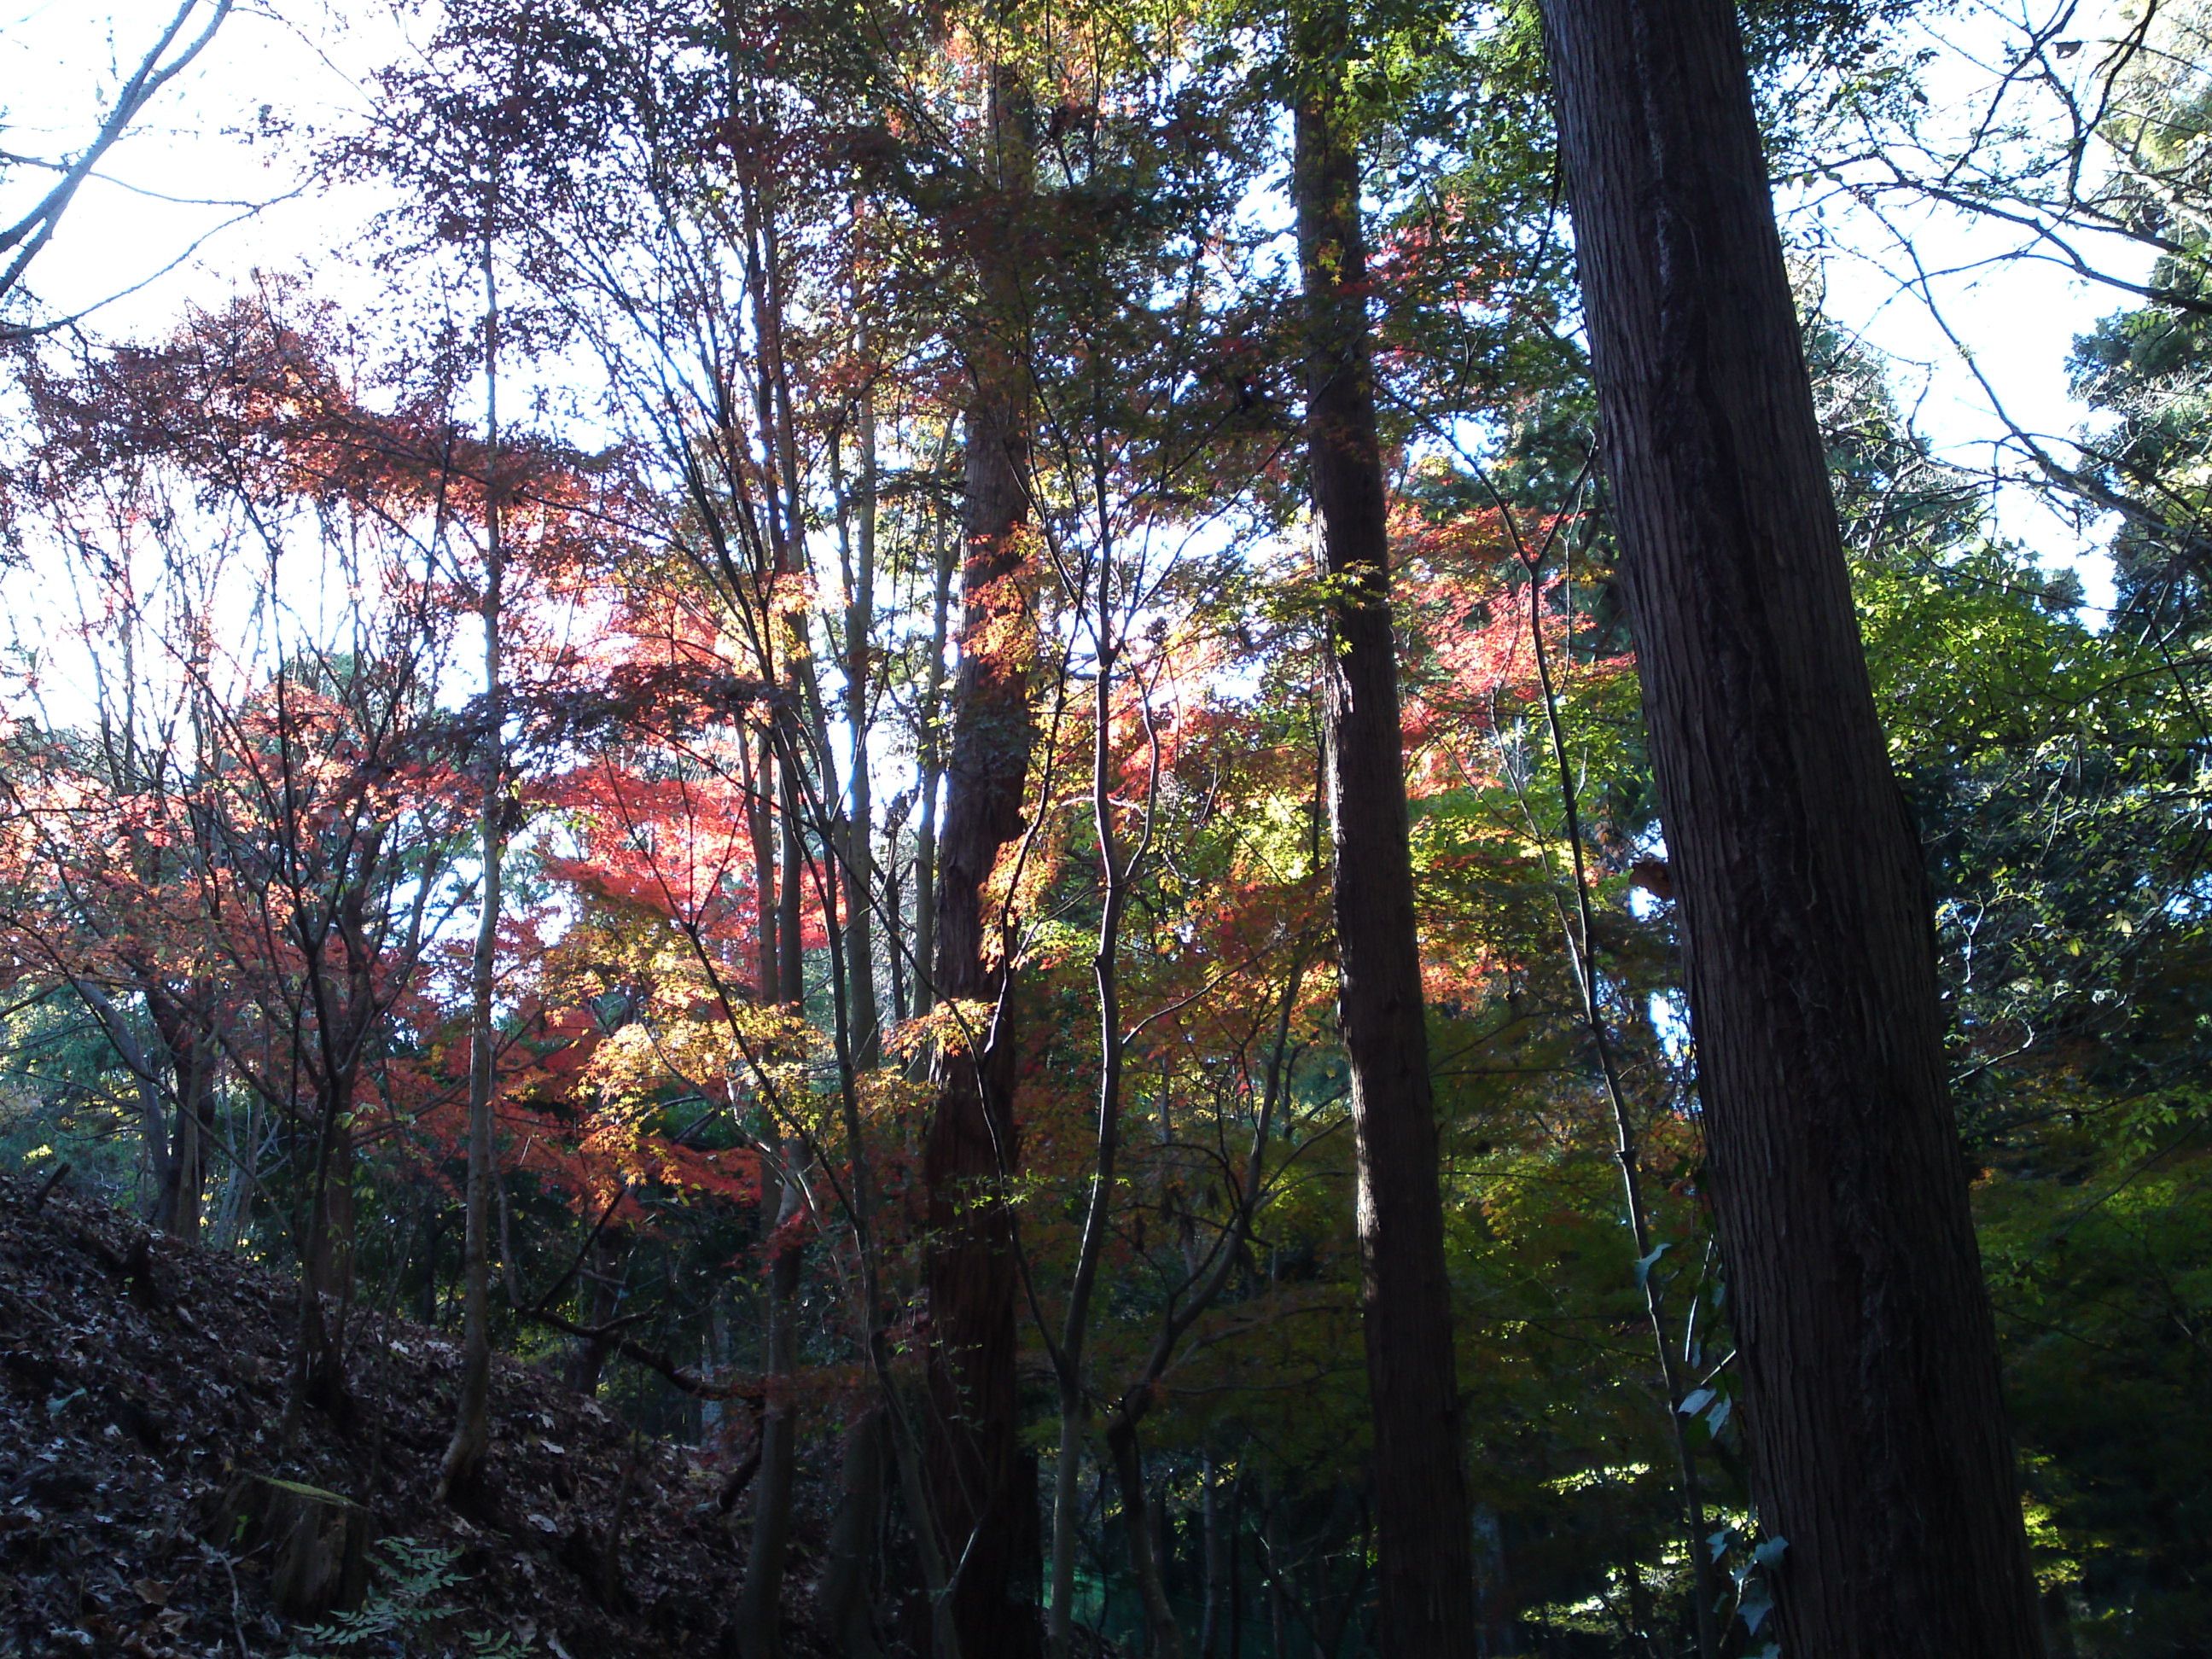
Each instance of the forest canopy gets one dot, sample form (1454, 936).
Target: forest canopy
(740, 750)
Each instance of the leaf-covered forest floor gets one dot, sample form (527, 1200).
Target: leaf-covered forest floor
(133, 1391)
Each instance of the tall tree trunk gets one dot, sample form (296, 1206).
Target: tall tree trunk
(759, 777)
(760, 1615)
(1236, 1562)
(1871, 1392)
(1578, 925)
(196, 1133)
(319, 1371)
(1117, 863)
(603, 1289)
(1160, 1627)
(975, 1472)
(859, 860)
(334, 1223)
(190, 1056)
(1427, 1577)
(460, 1479)
(790, 939)
(238, 1185)
(842, 1603)
(153, 1110)
(1210, 1543)
(931, 766)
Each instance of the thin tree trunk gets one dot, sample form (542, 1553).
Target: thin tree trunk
(1237, 1564)
(1210, 1521)
(1579, 928)
(334, 1224)
(191, 1058)
(932, 780)
(759, 761)
(1115, 868)
(461, 1477)
(715, 1364)
(603, 1282)
(153, 1111)
(244, 1154)
(319, 1375)
(1867, 1350)
(196, 1133)
(1278, 1614)
(928, 1537)
(859, 860)
(1166, 1637)
(1427, 1571)
(791, 943)
(1185, 1310)
(896, 943)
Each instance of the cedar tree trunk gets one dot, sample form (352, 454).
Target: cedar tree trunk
(979, 1481)
(1427, 1578)
(1879, 1446)
(970, 1149)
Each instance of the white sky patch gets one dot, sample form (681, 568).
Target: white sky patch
(176, 188)
(200, 157)
(1978, 336)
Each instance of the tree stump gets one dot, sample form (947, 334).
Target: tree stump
(317, 1542)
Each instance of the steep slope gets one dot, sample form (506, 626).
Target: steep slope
(140, 1378)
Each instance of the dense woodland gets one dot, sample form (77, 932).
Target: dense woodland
(757, 766)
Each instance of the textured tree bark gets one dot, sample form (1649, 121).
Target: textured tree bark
(976, 1473)
(842, 1601)
(317, 1542)
(318, 1366)
(970, 1147)
(760, 1609)
(1427, 1575)
(1871, 1390)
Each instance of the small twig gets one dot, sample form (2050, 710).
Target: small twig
(610, 1557)
(26, 1308)
(47, 1186)
(685, 1381)
(561, 1284)
(749, 1466)
(237, 1623)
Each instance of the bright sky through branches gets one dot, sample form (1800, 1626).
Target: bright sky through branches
(174, 207)
(171, 210)
(1930, 287)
